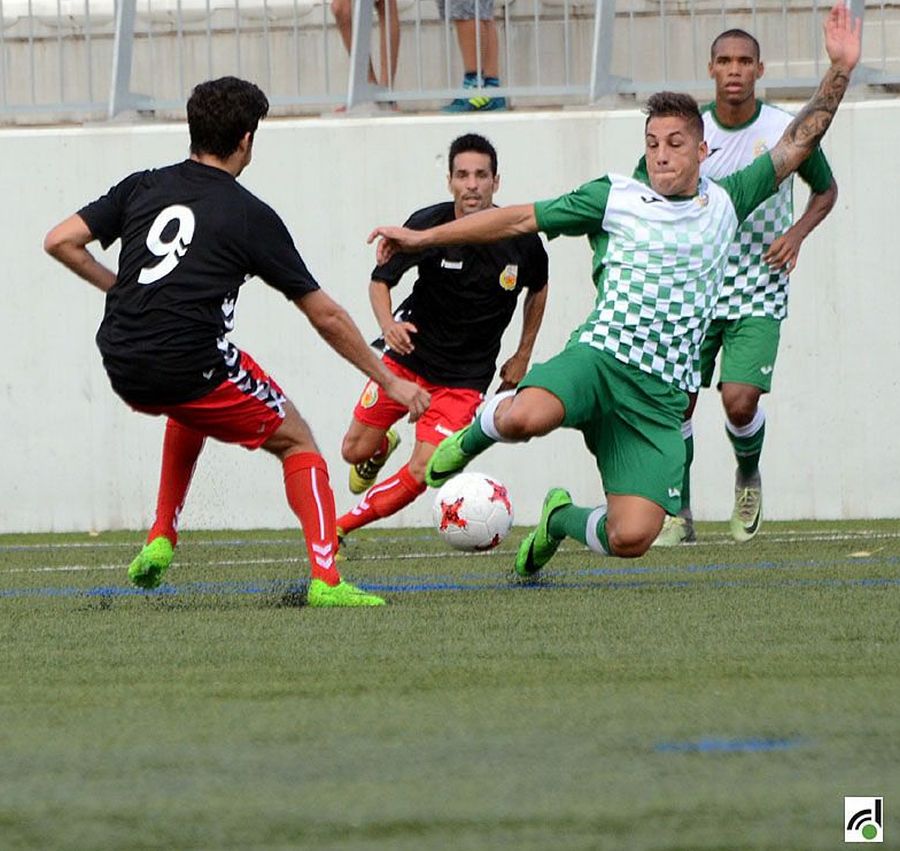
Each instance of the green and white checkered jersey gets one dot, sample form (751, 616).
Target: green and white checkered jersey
(658, 266)
(751, 287)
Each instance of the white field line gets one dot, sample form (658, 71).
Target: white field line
(717, 541)
(785, 536)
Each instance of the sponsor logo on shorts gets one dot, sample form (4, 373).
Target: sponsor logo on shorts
(673, 492)
(369, 395)
(442, 429)
(767, 369)
(455, 265)
(509, 276)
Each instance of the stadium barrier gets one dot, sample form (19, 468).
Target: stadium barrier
(75, 457)
(88, 60)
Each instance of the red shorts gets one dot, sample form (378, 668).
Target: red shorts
(246, 409)
(451, 408)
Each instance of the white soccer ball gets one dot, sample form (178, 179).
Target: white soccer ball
(473, 512)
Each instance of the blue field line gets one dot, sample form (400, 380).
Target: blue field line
(749, 745)
(275, 587)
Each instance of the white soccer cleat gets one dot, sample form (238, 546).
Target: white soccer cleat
(747, 515)
(675, 531)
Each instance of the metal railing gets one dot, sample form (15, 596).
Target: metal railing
(77, 60)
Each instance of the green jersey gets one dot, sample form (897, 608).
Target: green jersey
(751, 288)
(658, 264)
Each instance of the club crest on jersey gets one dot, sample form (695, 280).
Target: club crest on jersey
(760, 148)
(369, 395)
(701, 200)
(509, 276)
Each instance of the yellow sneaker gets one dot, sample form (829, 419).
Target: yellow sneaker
(365, 474)
(675, 530)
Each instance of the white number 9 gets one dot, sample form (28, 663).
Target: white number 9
(171, 251)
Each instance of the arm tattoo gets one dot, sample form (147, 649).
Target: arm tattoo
(808, 128)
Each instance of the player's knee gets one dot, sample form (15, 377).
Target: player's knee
(740, 411)
(630, 538)
(740, 403)
(352, 450)
(520, 423)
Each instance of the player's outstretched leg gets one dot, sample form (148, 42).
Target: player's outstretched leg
(539, 546)
(365, 474)
(747, 515)
(321, 595)
(151, 563)
(448, 459)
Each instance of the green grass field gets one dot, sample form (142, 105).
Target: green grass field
(711, 697)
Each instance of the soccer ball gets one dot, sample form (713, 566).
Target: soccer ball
(472, 512)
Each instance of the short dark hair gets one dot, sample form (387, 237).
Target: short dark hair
(674, 103)
(735, 33)
(472, 142)
(221, 111)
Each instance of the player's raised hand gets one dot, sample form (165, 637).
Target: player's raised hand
(393, 240)
(843, 36)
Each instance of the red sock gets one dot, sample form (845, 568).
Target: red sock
(383, 500)
(309, 495)
(181, 448)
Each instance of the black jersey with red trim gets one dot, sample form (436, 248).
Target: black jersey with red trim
(462, 301)
(191, 235)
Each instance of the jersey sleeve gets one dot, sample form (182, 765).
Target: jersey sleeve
(578, 213)
(751, 185)
(273, 255)
(537, 267)
(391, 272)
(105, 216)
(816, 172)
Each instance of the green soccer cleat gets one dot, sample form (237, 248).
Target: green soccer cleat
(447, 460)
(747, 515)
(365, 474)
(675, 530)
(539, 546)
(151, 564)
(321, 595)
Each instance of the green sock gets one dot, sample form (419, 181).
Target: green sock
(570, 521)
(747, 450)
(686, 480)
(475, 441)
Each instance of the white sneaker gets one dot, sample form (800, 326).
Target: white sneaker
(747, 515)
(675, 530)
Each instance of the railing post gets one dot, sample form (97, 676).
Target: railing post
(359, 89)
(604, 23)
(120, 96)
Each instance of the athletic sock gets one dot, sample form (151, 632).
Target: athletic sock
(687, 432)
(470, 80)
(311, 499)
(587, 525)
(747, 442)
(475, 441)
(181, 448)
(492, 82)
(383, 500)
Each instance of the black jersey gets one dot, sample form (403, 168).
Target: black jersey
(191, 235)
(463, 300)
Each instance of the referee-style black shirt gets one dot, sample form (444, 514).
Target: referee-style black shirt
(463, 300)
(191, 235)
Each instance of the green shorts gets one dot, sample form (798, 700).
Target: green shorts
(749, 347)
(630, 420)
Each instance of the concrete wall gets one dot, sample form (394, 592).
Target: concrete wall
(74, 457)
